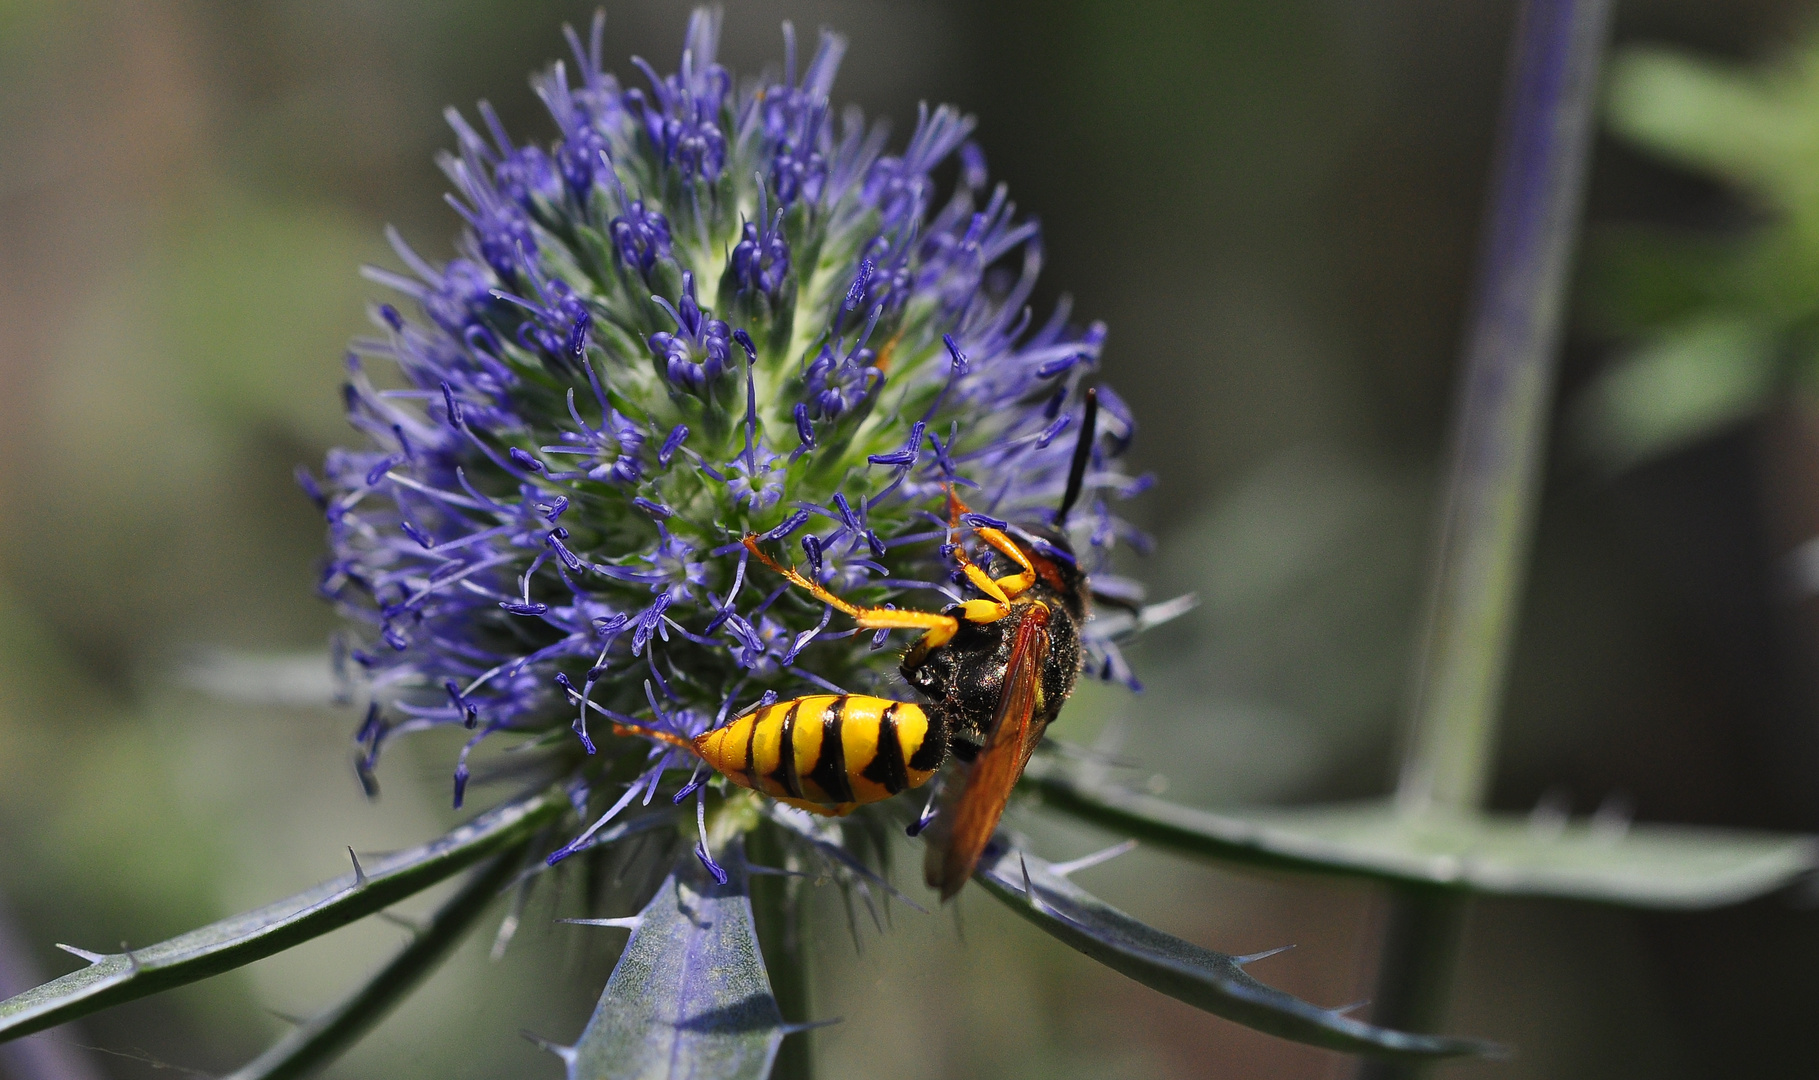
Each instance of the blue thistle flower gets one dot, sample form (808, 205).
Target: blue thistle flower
(704, 310)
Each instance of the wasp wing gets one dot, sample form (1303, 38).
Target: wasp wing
(970, 820)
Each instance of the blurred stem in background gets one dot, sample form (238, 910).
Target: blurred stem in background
(1498, 440)
(777, 911)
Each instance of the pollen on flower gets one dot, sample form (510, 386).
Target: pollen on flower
(705, 307)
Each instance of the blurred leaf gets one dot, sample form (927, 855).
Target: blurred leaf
(1669, 867)
(1686, 383)
(115, 978)
(1639, 279)
(314, 1044)
(1724, 316)
(1753, 127)
(689, 996)
(1201, 977)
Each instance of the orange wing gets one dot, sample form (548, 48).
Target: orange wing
(972, 818)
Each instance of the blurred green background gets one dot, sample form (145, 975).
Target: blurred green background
(1274, 203)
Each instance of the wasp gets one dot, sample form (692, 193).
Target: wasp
(992, 674)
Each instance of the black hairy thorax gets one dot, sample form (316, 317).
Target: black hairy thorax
(962, 681)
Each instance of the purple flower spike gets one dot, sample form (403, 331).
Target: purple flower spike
(629, 366)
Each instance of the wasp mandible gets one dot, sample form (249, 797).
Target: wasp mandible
(992, 673)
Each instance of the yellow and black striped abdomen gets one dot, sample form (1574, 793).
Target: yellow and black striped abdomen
(830, 751)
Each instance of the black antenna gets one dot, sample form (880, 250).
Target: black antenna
(1083, 450)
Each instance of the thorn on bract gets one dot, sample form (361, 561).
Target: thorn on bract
(1029, 891)
(369, 782)
(1074, 866)
(359, 871)
(1611, 821)
(1252, 958)
(566, 1053)
(1548, 819)
(402, 921)
(91, 957)
(629, 922)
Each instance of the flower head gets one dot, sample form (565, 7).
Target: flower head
(706, 309)
(696, 353)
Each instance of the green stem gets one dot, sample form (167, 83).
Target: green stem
(1499, 435)
(777, 911)
(1501, 415)
(1420, 941)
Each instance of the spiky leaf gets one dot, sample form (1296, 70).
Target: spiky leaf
(1201, 977)
(1672, 867)
(690, 996)
(319, 1041)
(120, 977)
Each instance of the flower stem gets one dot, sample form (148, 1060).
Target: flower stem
(1501, 415)
(777, 910)
(1500, 433)
(1420, 941)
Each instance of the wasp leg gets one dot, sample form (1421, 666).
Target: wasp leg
(997, 603)
(1001, 590)
(938, 629)
(647, 732)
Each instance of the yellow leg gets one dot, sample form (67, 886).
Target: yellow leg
(1001, 590)
(647, 732)
(938, 629)
(995, 607)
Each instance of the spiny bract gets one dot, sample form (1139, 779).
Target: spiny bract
(707, 309)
